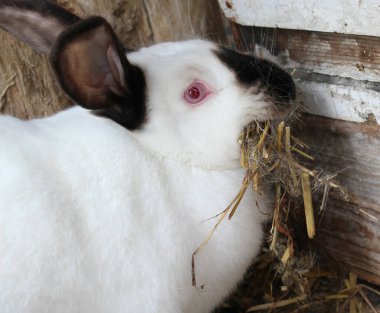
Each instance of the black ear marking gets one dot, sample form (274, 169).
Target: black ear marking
(92, 68)
(250, 70)
(36, 22)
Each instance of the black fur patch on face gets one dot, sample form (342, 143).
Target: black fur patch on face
(250, 71)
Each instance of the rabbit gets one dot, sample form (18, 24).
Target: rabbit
(102, 205)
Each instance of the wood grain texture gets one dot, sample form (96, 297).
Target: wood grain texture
(27, 87)
(177, 20)
(349, 228)
(338, 75)
(315, 50)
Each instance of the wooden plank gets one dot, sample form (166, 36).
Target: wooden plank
(323, 52)
(338, 75)
(342, 16)
(349, 228)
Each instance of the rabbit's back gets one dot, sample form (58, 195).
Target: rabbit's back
(90, 224)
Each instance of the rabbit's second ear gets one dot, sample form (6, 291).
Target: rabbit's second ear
(92, 68)
(37, 23)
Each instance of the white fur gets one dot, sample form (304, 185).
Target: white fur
(95, 218)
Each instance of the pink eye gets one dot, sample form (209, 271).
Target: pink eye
(196, 92)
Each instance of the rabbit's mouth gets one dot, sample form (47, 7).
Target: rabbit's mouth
(263, 106)
(281, 110)
(273, 105)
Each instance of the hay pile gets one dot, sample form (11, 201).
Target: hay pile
(288, 276)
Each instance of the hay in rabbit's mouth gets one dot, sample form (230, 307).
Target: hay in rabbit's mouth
(271, 155)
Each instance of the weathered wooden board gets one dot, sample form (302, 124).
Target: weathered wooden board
(349, 228)
(342, 16)
(27, 88)
(338, 74)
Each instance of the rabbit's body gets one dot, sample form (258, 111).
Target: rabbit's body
(102, 209)
(93, 232)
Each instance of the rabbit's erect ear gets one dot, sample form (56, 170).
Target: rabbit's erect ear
(91, 65)
(36, 22)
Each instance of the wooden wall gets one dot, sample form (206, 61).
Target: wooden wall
(338, 81)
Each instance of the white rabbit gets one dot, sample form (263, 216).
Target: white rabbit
(101, 209)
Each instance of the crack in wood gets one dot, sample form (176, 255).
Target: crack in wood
(307, 76)
(145, 6)
(4, 86)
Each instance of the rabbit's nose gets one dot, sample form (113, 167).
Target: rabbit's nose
(251, 71)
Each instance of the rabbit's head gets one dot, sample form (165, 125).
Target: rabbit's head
(199, 97)
(185, 100)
